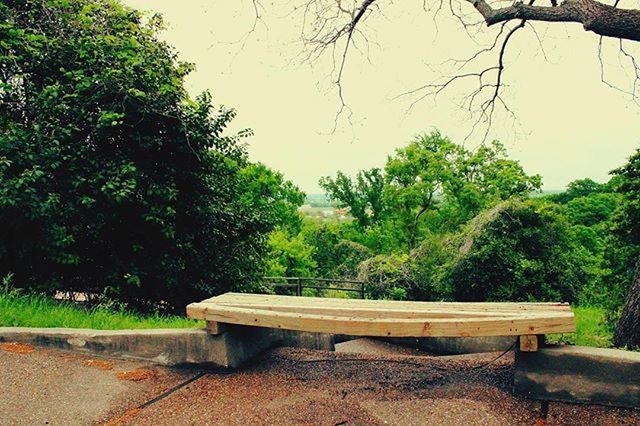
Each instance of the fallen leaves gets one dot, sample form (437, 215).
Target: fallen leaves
(100, 364)
(17, 348)
(136, 375)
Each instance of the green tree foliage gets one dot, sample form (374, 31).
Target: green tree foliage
(593, 210)
(416, 175)
(431, 178)
(518, 251)
(627, 231)
(628, 216)
(579, 188)
(385, 277)
(267, 193)
(362, 195)
(486, 176)
(290, 256)
(590, 208)
(334, 254)
(111, 177)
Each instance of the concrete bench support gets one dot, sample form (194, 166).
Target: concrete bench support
(579, 374)
(231, 348)
(456, 345)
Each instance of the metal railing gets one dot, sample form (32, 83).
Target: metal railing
(300, 283)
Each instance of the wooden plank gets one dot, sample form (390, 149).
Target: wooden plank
(273, 300)
(529, 343)
(316, 301)
(397, 327)
(370, 312)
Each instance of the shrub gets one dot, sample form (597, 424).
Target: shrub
(385, 276)
(518, 251)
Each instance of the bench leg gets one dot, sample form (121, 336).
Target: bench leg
(215, 327)
(529, 343)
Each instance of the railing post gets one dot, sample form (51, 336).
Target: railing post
(362, 290)
(299, 287)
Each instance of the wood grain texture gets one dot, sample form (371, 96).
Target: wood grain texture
(385, 318)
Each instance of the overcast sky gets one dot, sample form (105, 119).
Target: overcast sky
(570, 125)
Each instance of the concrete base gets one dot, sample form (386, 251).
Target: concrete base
(170, 346)
(579, 374)
(456, 345)
(303, 339)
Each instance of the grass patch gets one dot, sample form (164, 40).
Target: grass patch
(18, 310)
(592, 329)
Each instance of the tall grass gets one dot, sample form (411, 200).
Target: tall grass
(27, 310)
(592, 329)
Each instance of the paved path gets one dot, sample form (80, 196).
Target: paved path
(65, 388)
(286, 386)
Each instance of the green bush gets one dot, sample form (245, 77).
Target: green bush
(427, 267)
(518, 251)
(385, 277)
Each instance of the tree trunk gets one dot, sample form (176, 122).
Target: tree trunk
(628, 328)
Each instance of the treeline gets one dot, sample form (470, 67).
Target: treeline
(439, 222)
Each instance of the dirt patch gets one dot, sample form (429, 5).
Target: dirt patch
(100, 364)
(374, 347)
(136, 375)
(17, 348)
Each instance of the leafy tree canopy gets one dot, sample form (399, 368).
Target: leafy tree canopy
(111, 177)
(362, 195)
(431, 173)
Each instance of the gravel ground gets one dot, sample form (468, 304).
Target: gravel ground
(284, 387)
(303, 387)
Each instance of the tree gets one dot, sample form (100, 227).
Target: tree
(417, 174)
(579, 188)
(111, 178)
(487, 176)
(433, 172)
(269, 195)
(290, 256)
(335, 256)
(627, 331)
(363, 196)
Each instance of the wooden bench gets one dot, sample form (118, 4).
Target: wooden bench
(376, 318)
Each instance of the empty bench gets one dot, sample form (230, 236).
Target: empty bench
(383, 318)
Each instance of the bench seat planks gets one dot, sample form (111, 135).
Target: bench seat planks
(377, 318)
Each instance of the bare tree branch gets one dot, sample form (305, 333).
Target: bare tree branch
(334, 28)
(602, 19)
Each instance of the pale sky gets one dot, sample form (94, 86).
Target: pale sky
(570, 126)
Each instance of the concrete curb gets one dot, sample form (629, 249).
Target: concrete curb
(579, 374)
(173, 347)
